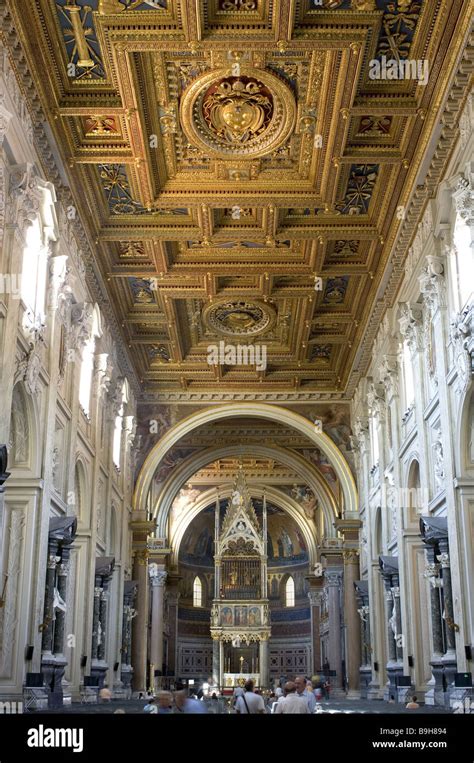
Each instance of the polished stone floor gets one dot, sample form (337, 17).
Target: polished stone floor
(332, 706)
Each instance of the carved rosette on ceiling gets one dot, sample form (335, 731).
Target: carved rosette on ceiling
(246, 116)
(239, 318)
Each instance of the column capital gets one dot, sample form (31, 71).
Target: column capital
(464, 199)
(443, 559)
(433, 283)
(52, 561)
(25, 190)
(333, 579)
(376, 399)
(314, 598)
(5, 119)
(389, 375)
(157, 577)
(350, 556)
(411, 325)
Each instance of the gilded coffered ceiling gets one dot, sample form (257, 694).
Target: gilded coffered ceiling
(240, 172)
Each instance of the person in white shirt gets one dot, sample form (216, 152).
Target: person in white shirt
(249, 702)
(302, 691)
(292, 702)
(279, 696)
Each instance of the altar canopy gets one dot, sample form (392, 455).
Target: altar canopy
(240, 617)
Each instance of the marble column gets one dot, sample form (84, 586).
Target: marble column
(140, 622)
(263, 660)
(432, 573)
(101, 651)
(333, 582)
(95, 623)
(392, 649)
(351, 575)
(399, 637)
(364, 612)
(173, 602)
(125, 628)
(63, 571)
(435, 693)
(221, 663)
(48, 616)
(315, 609)
(215, 662)
(361, 588)
(157, 580)
(443, 558)
(130, 591)
(449, 659)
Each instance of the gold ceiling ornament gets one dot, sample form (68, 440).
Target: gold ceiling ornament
(239, 318)
(229, 116)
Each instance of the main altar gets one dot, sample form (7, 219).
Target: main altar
(240, 615)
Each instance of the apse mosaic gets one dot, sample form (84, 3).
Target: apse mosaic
(285, 543)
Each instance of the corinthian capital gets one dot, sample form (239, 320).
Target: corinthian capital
(81, 324)
(5, 118)
(389, 375)
(102, 372)
(376, 399)
(411, 325)
(464, 199)
(433, 283)
(26, 195)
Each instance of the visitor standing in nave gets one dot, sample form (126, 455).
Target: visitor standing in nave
(293, 703)
(185, 704)
(302, 691)
(249, 702)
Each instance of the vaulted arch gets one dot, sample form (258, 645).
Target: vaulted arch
(187, 468)
(257, 410)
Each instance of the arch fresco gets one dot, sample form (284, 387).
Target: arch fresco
(257, 410)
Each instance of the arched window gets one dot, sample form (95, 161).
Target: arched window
(34, 272)
(290, 592)
(197, 592)
(118, 427)
(374, 437)
(464, 261)
(408, 376)
(87, 365)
